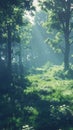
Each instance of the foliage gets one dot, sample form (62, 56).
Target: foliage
(51, 95)
(42, 100)
(12, 77)
(59, 21)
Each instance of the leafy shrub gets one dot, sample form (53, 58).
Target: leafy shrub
(62, 74)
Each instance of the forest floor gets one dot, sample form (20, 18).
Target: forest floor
(50, 98)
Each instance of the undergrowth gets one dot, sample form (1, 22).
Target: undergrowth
(51, 97)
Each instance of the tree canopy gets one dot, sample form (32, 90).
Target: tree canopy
(12, 81)
(60, 15)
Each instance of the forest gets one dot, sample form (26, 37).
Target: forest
(36, 64)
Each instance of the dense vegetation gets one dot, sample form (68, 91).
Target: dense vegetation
(60, 21)
(50, 99)
(32, 97)
(12, 76)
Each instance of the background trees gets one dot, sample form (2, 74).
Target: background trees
(12, 81)
(11, 21)
(60, 15)
(24, 100)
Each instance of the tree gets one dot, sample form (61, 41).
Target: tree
(11, 20)
(11, 88)
(60, 15)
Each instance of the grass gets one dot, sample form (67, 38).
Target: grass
(49, 87)
(49, 79)
(52, 86)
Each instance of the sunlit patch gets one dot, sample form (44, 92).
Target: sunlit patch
(3, 58)
(30, 16)
(36, 5)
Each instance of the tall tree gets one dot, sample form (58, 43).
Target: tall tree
(11, 88)
(11, 18)
(60, 18)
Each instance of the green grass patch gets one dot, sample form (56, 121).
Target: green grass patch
(52, 94)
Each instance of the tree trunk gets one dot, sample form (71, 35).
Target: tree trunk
(20, 60)
(67, 34)
(9, 50)
(67, 52)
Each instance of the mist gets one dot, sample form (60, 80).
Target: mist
(41, 52)
(36, 65)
